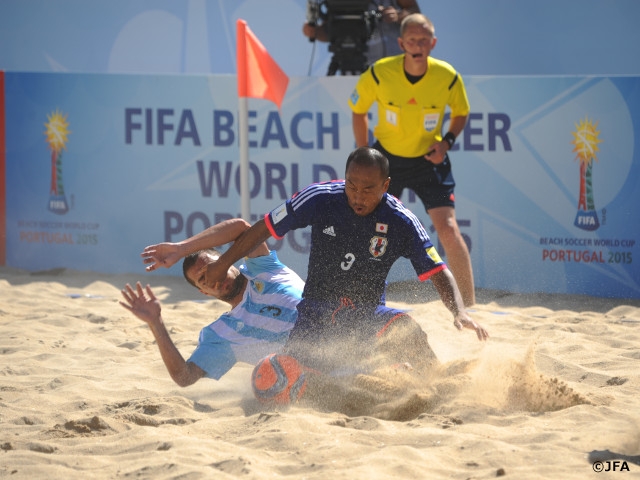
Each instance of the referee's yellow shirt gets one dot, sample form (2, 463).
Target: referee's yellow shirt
(409, 115)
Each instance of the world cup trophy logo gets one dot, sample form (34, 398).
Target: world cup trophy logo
(57, 131)
(585, 141)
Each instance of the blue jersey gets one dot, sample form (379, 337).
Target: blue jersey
(351, 255)
(258, 325)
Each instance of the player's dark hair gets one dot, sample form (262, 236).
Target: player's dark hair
(190, 260)
(369, 157)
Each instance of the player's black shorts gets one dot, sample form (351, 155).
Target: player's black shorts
(335, 337)
(433, 184)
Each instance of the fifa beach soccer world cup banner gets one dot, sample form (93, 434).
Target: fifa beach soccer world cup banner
(96, 167)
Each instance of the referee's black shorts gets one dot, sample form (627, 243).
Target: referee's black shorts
(433, 184)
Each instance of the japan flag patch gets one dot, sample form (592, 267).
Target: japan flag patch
(382, 227)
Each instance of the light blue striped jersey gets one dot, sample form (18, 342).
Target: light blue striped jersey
(258, 325)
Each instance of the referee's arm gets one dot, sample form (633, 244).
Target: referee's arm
(360, 123)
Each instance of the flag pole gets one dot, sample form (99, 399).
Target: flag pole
(267, 81)
(243, 120)
(243, 134)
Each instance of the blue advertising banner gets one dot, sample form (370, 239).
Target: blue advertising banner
(99, 166)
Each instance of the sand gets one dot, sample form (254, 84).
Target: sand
(84, 393)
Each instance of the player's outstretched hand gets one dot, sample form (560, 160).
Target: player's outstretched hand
(145, 307)
(466, 322)
(160, 255)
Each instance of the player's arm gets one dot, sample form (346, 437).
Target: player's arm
(167, 254)
(221, 234)
(247, 242)
(450, 294)
(360, 123)
(147, 308)
(182, 372)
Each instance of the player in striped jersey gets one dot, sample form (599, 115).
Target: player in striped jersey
(357, 233)
(262, 292)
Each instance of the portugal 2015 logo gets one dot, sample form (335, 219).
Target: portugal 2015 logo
(585, 141)
(57, 131)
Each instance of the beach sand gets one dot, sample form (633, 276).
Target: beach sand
(84, 393)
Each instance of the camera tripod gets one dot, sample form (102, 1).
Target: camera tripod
(348, 61)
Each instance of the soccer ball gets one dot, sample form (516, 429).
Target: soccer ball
(278, 379)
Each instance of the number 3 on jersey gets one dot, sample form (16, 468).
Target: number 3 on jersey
(349, 258)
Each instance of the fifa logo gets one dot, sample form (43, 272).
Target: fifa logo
(57, 131)
(585, 141)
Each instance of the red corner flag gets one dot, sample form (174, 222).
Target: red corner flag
(259, 76)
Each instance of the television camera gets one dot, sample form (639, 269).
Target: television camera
(349, 25)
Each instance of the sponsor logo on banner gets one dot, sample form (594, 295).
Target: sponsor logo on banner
(57, 132)
(585, 141)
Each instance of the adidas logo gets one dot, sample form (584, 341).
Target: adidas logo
(329, 231)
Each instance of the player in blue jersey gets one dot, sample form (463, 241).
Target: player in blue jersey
(412, 91)
(357, 233)
(263, 294)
